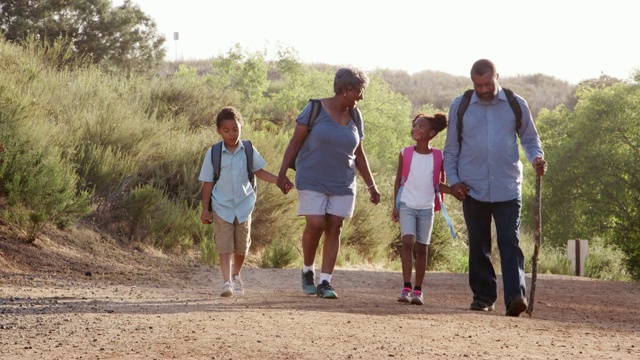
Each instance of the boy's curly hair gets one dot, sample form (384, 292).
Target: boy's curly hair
(228, 113)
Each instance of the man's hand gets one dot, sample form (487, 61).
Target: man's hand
(460, 191)
(540, 165)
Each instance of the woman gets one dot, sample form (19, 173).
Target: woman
(327, 156)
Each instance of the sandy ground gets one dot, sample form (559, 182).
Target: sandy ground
(140, 305)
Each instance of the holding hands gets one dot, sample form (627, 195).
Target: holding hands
(460, 191)
(284, 183)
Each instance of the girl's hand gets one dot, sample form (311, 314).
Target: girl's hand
(394, 214)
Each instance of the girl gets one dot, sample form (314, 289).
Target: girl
(418, 192)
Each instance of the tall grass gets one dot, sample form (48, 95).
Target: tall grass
(126, 151)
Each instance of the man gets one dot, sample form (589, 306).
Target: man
(483, 165)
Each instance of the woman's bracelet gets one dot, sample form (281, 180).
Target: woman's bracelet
(371, 186)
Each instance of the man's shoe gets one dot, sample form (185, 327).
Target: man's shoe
(309, 283)
(404, 295)
(479, 305)
(417, 297)
(517, 306)
(326, 291)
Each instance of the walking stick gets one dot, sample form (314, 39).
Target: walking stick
(537, 235)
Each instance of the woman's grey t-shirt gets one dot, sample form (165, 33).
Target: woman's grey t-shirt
(326, 160)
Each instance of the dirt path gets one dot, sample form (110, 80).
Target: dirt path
(81, 295)
(54, 317)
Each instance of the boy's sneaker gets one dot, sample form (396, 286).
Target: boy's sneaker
(417, 297)
(404, 295)
(326, 291)
(227, 289)
(238, 287)
(309, 283)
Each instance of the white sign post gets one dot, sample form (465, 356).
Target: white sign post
(577, 251)
(175, 38)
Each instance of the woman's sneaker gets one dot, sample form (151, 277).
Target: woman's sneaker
(227, 289)
(309, 283)
(404, 295)
(417, 298)
(326, 291)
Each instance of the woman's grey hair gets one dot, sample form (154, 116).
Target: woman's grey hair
(348, 79)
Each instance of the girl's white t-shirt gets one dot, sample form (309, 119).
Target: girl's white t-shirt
(418, 192)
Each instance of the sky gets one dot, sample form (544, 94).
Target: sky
(569, 40)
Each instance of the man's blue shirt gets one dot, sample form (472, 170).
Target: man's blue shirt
(488, 160)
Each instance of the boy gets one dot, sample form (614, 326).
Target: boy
(232, 198)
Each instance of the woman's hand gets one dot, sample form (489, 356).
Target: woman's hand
(284, 183)
(374, 195)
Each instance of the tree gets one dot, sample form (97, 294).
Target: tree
(593, 182)
(123, 36)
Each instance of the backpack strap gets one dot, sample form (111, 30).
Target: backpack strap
(466, 99)
(216, 159)
(438, 176)
(248, 151)
(356, 115)
(407, 155)
(316, 108)
(464, 104)
(515, 107)
(216, 156)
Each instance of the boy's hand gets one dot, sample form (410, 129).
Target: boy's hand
(284, 183)
(206, 217)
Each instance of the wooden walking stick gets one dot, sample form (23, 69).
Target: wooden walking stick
(537, 238)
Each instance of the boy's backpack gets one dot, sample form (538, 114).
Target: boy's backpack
(438, 177)
(466, 99)
(316, 108)
(216, 156)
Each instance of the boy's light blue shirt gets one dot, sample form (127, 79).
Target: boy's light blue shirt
(488, 161)
(232, 196)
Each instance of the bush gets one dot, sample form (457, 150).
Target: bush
(40, 186)
(154, 218)
(551, 260)
(605, 262)
(279, 254)
(208, 253)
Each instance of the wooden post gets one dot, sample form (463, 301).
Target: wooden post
(577, 251)
(537, 237)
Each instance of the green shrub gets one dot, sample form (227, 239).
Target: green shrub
(552, 260)
(208, 253)
(370, 232)
(40, 191)
(279, 254)
(350, 256)
(164, 223)
(605, 262)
